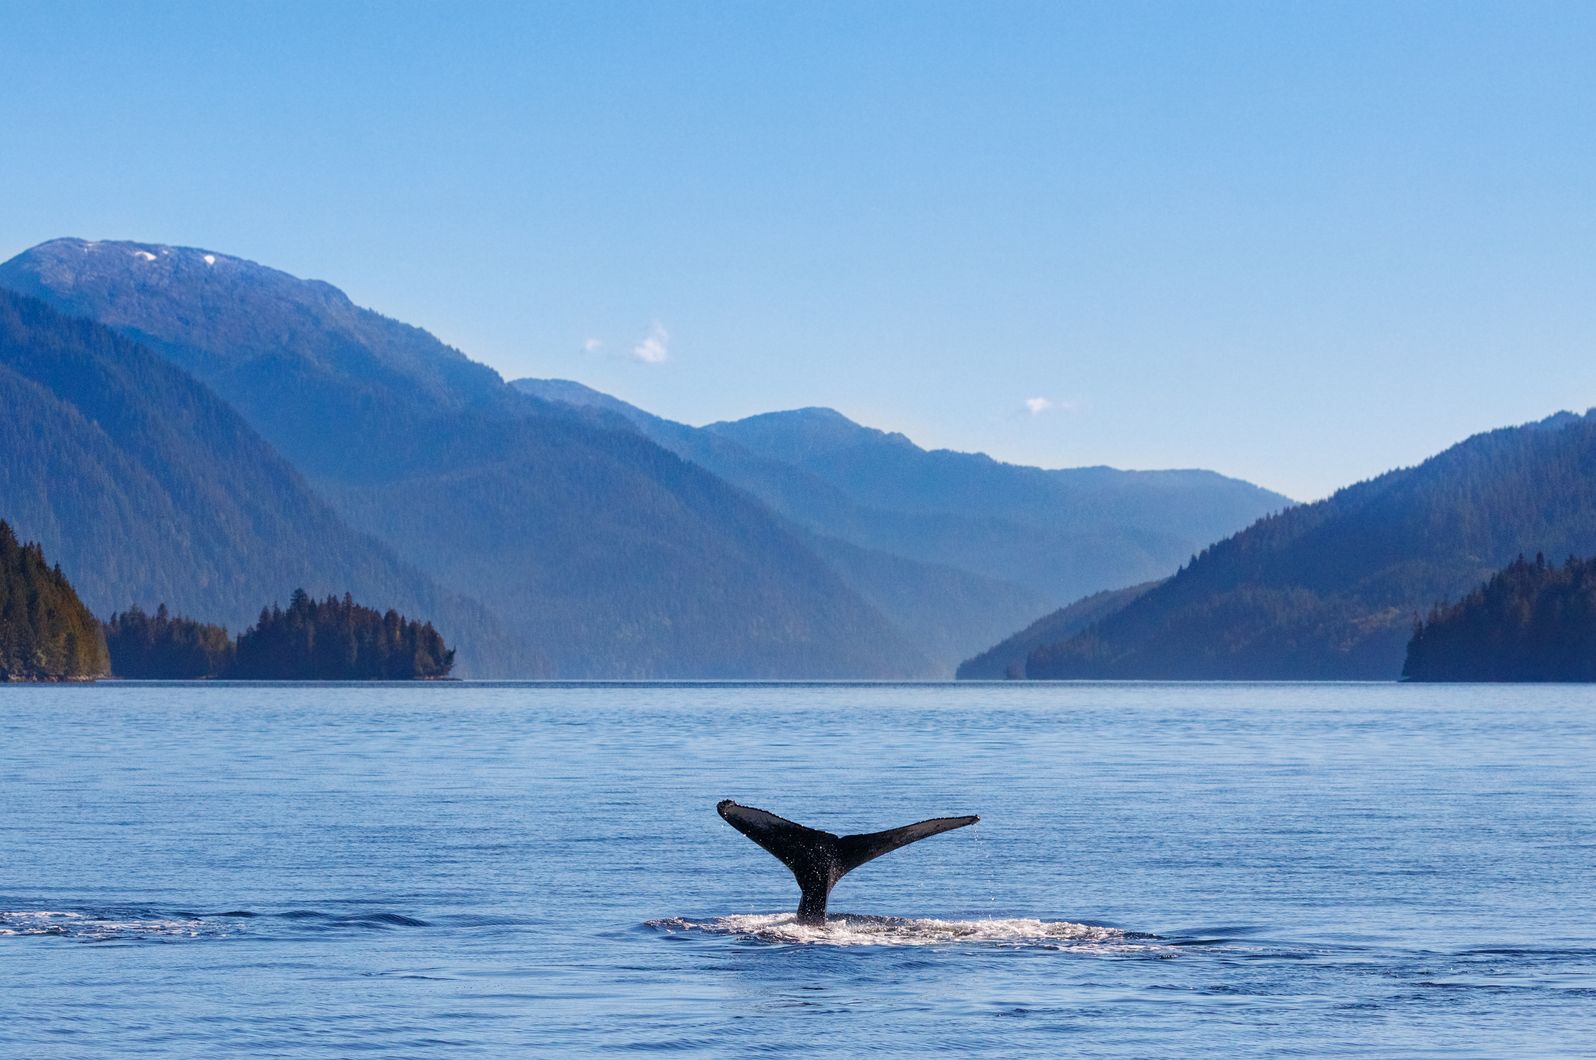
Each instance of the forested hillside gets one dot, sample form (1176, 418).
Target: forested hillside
(150, 489)
(1533, 621)
(601, 552)
(1331, 589)
(46, 634)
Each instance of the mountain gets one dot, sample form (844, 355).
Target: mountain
(1330, 590)
(1006, 660)
(1061, 533)
(45, 631)
(1533, 621)
(600, 552)
(151, 489)
(957, 549)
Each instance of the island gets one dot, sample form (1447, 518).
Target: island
(334, 639)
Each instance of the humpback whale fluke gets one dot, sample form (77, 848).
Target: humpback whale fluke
(819, 859)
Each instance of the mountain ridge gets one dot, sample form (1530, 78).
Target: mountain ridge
(151, 489)
(1007, 542)
(608, 553)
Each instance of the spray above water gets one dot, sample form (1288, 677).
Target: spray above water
(850, 929)
(819, 859)
(107, 926)
(127, 924)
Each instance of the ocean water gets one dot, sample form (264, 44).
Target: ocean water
(494, 870)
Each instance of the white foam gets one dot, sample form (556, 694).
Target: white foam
(844, 929)
(91, 927)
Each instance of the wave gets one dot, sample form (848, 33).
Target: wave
(105, 925)
(102, 927)
(850, 929)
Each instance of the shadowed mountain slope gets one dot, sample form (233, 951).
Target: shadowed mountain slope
(151, 489)
(1331, 589)
(600, 551)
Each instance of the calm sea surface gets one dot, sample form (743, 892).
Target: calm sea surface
(321, 871)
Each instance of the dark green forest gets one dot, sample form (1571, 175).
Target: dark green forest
(46, 634)
(164, 647)
(1533, 621)
(336, 639)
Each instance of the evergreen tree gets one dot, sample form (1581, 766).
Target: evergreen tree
(161, 647)
(1532, 621)
(339, 640)
(45, 631)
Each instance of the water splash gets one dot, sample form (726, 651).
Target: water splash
(103, 927)
(848, 929)
(127, 924)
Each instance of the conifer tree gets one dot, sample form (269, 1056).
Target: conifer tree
(45, 631)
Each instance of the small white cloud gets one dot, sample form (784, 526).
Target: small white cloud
(210, 259)
(592, 345)
(1037, 405)
(146, 255)
(653, 348)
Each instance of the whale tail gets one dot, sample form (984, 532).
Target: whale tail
(819, 859)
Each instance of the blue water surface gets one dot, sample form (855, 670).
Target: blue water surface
(463, 869)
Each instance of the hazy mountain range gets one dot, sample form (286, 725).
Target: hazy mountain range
(957, 549)
(245, 431)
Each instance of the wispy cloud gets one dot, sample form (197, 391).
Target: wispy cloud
(592, 345)
(655, 347)
(1038, 406)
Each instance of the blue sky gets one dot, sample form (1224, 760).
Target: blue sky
(1300, 243)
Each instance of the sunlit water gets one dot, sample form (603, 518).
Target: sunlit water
(315, 871)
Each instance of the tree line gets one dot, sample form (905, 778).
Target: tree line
(1532, 621)
(46, 633)
(334, 639)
